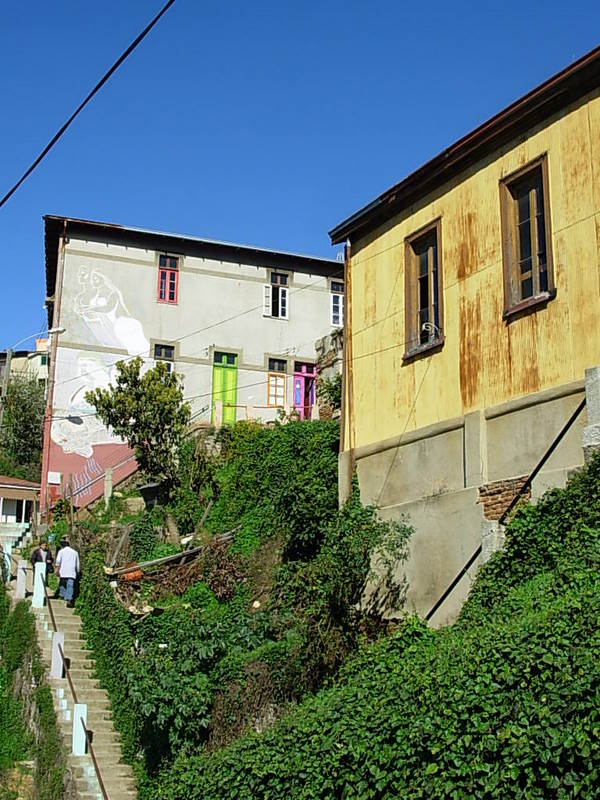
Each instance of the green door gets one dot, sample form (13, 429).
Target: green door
(224, 386)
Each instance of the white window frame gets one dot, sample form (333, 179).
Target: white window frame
(341, 303)
(284, 298)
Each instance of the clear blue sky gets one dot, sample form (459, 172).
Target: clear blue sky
(259, 122)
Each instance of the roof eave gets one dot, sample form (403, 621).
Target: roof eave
(567, 86)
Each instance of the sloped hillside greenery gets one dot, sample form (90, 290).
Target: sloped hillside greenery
(25, 707)
(504, 704)
(271, 617)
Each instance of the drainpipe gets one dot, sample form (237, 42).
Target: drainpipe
(346, 458)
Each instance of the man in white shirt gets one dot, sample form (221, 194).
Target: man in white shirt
(68, 568)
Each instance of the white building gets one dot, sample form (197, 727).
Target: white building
(237, 322)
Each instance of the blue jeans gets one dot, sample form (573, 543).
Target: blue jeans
(67, 587)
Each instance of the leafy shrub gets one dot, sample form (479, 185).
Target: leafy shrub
(502, 704)
(186, 509)
(329, 390)
(143, 537)
(279, 479)
(18, 651)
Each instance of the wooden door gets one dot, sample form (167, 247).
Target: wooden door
(304, 388)
(224, 386)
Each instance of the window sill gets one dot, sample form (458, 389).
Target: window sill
(270, 316)
(538, 301)
(424, 349)
(167, 302)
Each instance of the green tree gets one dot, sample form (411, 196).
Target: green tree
(148, 411)
(22, 427)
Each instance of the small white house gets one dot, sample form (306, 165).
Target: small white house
(17, 500)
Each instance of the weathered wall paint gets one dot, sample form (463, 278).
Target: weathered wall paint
(484, 361)
(110, 312)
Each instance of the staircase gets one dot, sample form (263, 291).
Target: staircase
(117, 777)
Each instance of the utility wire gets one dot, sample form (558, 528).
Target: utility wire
(82, 105)
(198, 330)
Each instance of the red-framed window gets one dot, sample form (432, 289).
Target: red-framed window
(168, 279)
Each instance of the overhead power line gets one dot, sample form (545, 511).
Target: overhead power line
(82, 105)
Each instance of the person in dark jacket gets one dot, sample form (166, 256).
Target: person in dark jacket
(42, 553)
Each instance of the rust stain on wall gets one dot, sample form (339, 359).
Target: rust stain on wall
(523, 357)
(466, 245)
(470, 350)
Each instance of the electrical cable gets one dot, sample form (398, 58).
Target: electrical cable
(197, 331)
(84, 103)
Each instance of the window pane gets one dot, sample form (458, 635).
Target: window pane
(523, 204)
(283, 302)
(337, 286)
(526, 288)
(275, 302)
(277, 365)
(541, 235)
(172, 286)
(424, 292)
(162, 290)
(173, 263)
(279, 279)
(524, 241)
(162, 261)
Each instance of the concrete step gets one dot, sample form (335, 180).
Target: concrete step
(102, 730)
(117, 771)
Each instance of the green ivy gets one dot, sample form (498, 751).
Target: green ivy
(502, 704)
(19, 652)
(279, 479)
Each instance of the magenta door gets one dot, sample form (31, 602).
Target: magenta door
(304, 388)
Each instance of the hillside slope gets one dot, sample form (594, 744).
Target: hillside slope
(504, 704)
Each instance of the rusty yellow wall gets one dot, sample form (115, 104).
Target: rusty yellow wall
(484, 360)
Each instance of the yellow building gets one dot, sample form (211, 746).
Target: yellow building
(473, 313)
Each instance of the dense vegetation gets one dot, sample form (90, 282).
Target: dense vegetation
(21, 434)
(271, 617)
(19, 656)
(506, 703)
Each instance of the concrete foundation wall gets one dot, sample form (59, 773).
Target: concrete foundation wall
(433, 477)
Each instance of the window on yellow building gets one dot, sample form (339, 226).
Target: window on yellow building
(423, 290)
(526, 241)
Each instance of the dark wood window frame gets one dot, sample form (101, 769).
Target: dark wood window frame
(532, 175)
(419, 340)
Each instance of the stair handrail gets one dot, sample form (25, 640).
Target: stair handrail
(86, 730)
(49, 604)
(521, 491)
(88, 738)
(68, 673)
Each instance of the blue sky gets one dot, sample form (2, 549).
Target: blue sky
(259, 122)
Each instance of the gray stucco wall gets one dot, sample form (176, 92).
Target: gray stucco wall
(219, 308)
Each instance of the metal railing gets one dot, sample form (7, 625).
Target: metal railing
(519, 494)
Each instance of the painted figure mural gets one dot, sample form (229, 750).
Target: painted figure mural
(81, 447)
(101, 306)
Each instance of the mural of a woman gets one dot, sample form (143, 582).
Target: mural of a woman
(100, 304)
